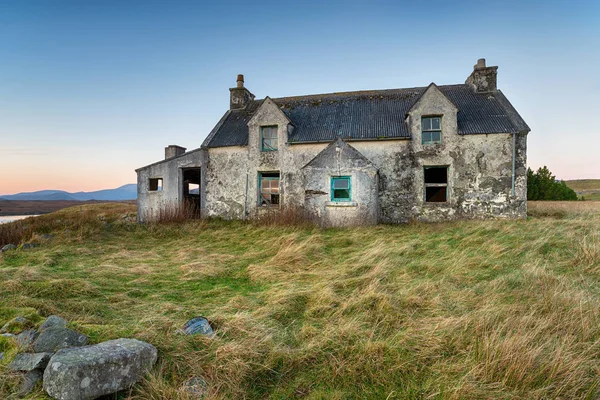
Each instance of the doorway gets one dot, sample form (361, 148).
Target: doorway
(191, 191)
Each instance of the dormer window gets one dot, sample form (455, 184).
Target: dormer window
(268, 138)
(431, 130)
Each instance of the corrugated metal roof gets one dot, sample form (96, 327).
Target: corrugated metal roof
(370, 115)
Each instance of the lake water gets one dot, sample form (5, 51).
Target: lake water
(11, 218)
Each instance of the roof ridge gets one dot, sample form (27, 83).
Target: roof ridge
(359, 92)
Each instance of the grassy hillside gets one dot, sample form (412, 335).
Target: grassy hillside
(589, 188)
(464, 310)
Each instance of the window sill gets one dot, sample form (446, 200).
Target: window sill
(341, 204)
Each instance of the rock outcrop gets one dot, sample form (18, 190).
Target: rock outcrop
(88, 372)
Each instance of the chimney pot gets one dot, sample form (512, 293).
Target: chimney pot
(240, 81)
(480, 63)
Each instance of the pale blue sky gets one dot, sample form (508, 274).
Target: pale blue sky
(91, 90)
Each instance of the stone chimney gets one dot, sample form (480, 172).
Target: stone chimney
(239, 95)
(483, 79)
(173, 151)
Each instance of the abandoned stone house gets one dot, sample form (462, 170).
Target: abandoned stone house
(383, 156)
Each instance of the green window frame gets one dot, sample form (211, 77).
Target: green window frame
(431, 129)
(341, 188)
(436, 184)
(268, 189)
(269, 140)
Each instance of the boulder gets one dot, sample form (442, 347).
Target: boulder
(52, 322)
(29, 381)
(195, 388)
(88, 372)
(198, 326)
(56, 338)
(27, 337)
(7, 248)
(29, 361)
(27, 246)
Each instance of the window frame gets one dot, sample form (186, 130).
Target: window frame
(262, 138)
(260, 187)
(431, 130)
(159, 184)
(436, 185)
(341, 177)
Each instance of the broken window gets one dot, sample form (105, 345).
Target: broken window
(155, 185)
(268, 183)
(341, 189)
(436, 184)
(269, 138)
(431, 129)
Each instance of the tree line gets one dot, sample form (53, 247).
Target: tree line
(542, 185)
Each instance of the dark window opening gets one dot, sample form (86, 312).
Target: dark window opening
(268, 183)
(436, 184)
(155, 184)
(191, 191)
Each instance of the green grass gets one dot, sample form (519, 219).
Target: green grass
(473, 309)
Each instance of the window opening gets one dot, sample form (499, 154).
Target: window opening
(431, 130)
(155, 185)
(341, 189)
(269, 138)
(268, 188)
(436, 184)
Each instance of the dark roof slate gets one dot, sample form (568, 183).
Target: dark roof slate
(370, 115)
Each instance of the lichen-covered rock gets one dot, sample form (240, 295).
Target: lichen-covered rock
(27, 337)
(91, 371)
(29, 361)
(56, 338)
(29, 381)
(52, 322)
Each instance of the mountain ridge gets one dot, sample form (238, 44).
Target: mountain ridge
(125, 192)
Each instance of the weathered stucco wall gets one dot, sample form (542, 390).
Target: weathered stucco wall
(152, 203)
(390, 189)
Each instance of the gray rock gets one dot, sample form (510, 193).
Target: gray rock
(92, 371)
(29, 381)
(27, 246)
(29, 361)
(27, 337)
(7, 248)
(47, 236)
(198, 325)
(53, 321)
(7, 334)
(1, 356)
(195, 388)
(56, 338)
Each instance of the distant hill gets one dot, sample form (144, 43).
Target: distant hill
(125, 192)
(588, 188)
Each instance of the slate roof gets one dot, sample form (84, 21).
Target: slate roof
(370, 115)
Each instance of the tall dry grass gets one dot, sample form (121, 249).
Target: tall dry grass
(463, 310)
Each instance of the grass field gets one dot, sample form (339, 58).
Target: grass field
(588, 188)
(461, 310)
